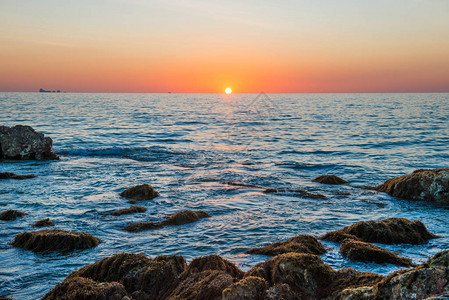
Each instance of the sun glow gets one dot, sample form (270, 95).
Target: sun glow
(228, 91)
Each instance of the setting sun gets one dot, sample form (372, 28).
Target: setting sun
(228, 91)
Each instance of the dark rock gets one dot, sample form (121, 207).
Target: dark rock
(9, 175)
(184, 217)
(140, 192)
(233, 183)
(11, 215)
(137, 227)
(427, 280)
(212, 262)
(23, 142)
(338, 236)
(330, 179)
(44, 223)
(297, 192)
(306, 274)
(362, 251)
(133, 209)
(388, 231)
(350, 278)
(280, 292)
(83, 288)
(299, 244)
(424, 184)
(249, 288)
(54, 240)
(204, 285)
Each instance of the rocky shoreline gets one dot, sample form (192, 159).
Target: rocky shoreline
(295, 270)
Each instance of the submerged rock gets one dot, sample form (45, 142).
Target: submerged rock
(427, 280)
(11, 215)
(330, 179)
(9, 175)
(297, 192)
(361, 251)
(140, 192)
(424, 184)
(44, 223)
(299, 244)
(84, 288)
(141, 226)
(50, 240)
(184, 217)
(234, 183)
(131, 210)
(24, 143)
(387, 231)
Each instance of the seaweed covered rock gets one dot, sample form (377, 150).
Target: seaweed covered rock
(362, 251)
(131, 210)
(299, 244)
(24, 143)
(280, 292)
(425, 184)
(184, 217)
(338, 236)
(306, 274)
(249, 288)
(50, 240)
(140, 192)
(427, 280)
(83, 288)
(11, 215)
(44, 223)
(9, 175)
(212, 262)
(330, 179)
(141, 226)
(387, 231)
(350, 278)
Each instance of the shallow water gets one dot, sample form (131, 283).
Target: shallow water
(185, 144)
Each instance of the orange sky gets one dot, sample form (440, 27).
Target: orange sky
(206, 46)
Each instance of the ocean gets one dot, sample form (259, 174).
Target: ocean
(187, 145)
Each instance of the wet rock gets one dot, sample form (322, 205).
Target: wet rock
(427, 280)
(9, 175)
(233, 183)
(350, 278)
(297, 192)
(11, 215)
(306, 274)
(299, 244)
(50, 240)
(338, 236)
(131, 210)
(249, 288)
(44, 223)
(137, 227)
(425, 184)
(24, 143)
(330, 179)
(212, 262)
(83, 288)
(143, 278)
(387, 231)
(184, 217)
(361, 251)
(140, 192)
(280, 292)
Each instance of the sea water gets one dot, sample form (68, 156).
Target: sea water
(186, 145)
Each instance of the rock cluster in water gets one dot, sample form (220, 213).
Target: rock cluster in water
(11, 215)
(426, 185)
(23, 143)
(9, 175)
(140, 192)
(179, 218)
(51, 240)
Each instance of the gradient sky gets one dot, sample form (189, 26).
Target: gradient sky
(206, 46)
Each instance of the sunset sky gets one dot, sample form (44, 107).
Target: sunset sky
(206, 46)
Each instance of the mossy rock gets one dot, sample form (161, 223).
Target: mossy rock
(387, 231)
(141, 226)
(249, 288)
(299, 244)
(131, 210)
(185, 217)
(330, 179)
(51, 240)
(140, 192)
(44, 223)
(11, 215)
